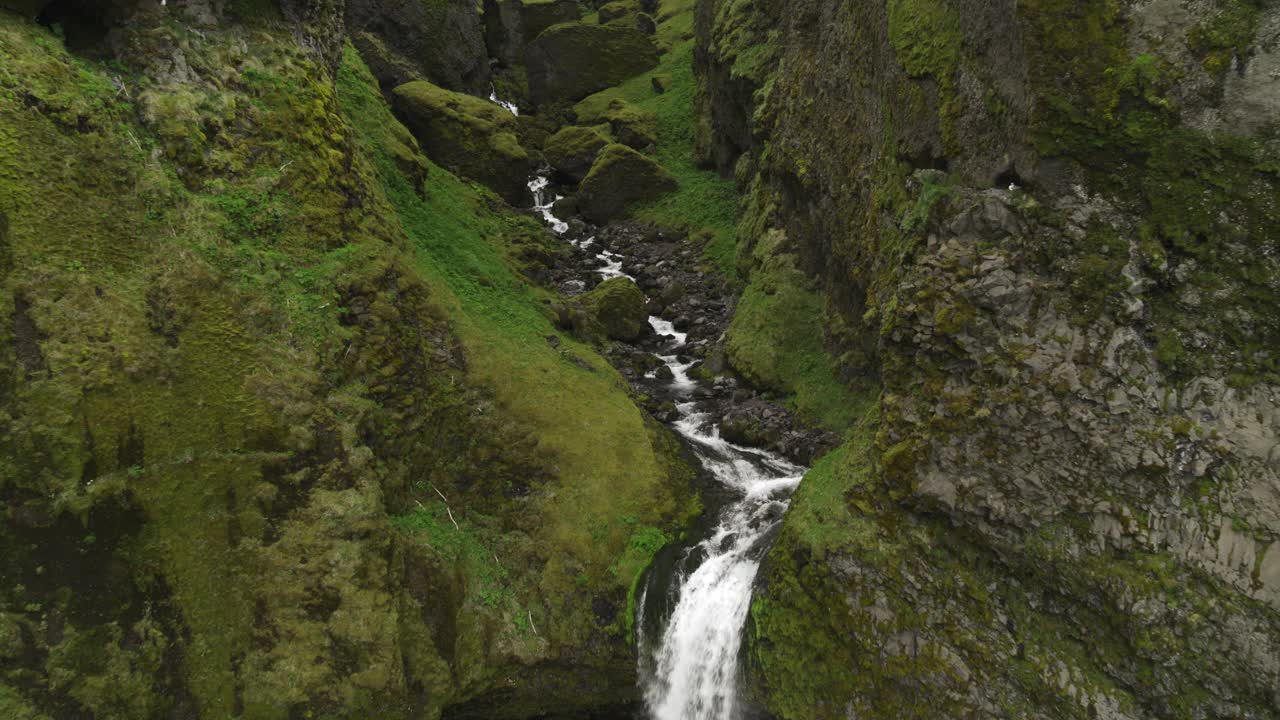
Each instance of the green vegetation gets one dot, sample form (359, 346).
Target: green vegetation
(1208, 199)
(572, 150)
(705, 205)
(569, 61)
(470, 136)
(619, 306)
(1227, 35)
(620, 177)
(776, 339)
(569, 398)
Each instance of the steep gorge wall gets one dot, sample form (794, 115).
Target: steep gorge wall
(1047, 231)
(244, 353)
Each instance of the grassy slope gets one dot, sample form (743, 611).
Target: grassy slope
(234, 219)
(777, 335)
(613, 482)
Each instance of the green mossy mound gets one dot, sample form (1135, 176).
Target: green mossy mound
(572, 60)
(619, 306)
(627, 123)
(617, 10)
(468, 135)
(572, 150)
(620, 177)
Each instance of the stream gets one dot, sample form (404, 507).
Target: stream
(688, 667)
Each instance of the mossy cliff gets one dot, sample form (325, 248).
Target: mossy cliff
(1041, 238)
(281, 431)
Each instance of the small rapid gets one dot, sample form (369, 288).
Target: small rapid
(689, 671)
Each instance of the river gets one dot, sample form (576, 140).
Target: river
(689, 668)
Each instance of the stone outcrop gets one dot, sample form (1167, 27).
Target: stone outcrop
(441, 41)
(572, 60)
(509, 25)
(1043, 235)
(470, 136)
(619, 177)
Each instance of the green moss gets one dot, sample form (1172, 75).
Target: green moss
(776, 340)
(470, 136)
(1227, 35)
(573, 149)
(606, 461)
(621, 177)
(619, 306)
(569, 61)
(925, 36)
(705, 205)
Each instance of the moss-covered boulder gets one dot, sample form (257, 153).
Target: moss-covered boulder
(617, 10)
(572, 150)
(572, 60)
(470, 136)
(621, 176)
(618, 305)
(629, 124)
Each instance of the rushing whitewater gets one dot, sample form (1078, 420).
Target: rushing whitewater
(691, 673)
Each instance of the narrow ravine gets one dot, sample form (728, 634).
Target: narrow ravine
(689, 668)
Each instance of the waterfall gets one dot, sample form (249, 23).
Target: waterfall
(690, 671)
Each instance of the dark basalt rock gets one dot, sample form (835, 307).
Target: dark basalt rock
(437, 40)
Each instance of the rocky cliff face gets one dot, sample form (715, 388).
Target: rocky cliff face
(281, 430)
(1046, 230)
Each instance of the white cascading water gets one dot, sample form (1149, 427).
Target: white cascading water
(691, 673)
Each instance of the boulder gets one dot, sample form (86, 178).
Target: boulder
(619, 177)
(472, 137)
(618, 306)
(509, 25)
(617, 10)
(570, 61)
(629, 124)
(437, 40)
(645, 24)
(572, 150)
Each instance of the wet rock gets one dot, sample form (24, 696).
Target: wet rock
(468, 135)
(620, 177)
(573, 60)
(572, 150)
